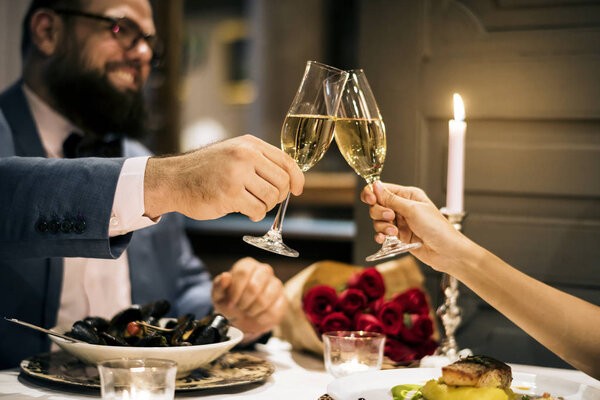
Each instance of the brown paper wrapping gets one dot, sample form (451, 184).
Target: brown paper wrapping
(399, 275)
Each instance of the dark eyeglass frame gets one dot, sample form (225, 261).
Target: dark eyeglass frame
(116, 22)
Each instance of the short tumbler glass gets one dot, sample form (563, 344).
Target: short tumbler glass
(348, 352)
(139, 379)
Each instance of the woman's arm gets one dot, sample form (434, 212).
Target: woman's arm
(565, 324)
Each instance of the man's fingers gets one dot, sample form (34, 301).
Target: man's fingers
(219, 288)
(250, 205)
(296, 177)
(254, 289)
(267, 298)
(276, 176)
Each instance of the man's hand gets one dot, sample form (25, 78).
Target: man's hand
(243, 174)
(251, 296)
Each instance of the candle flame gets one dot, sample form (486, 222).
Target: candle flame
(459, 108)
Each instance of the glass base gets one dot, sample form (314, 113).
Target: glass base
(272, 242)
(392, 246)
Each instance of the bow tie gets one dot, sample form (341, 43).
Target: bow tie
(78, 145)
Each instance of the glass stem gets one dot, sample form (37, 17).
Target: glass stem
(278, 223)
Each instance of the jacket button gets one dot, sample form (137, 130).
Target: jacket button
(79, 225)
(53, 226)
(41, 225)
(66, 226)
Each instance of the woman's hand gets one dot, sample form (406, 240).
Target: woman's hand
(408, 213)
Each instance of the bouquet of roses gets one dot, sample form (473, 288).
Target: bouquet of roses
(361, 306)
(388, 299)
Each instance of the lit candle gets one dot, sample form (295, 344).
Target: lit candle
(352, 367)
(456, 158)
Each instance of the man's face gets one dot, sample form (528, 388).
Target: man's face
(94, 79)
(125, 69)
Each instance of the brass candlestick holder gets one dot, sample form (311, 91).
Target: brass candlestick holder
(449, 312)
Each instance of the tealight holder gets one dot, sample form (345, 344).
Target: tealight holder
(349, 352)
(137, 379)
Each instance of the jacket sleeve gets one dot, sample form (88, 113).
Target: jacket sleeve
(58, 207)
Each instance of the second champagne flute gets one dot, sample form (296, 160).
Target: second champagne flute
(305, 136)
(360, 136)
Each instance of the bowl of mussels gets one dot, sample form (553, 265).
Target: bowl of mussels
(143, 332)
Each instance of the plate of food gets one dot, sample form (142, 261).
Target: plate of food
(142, 332)
(473, 378)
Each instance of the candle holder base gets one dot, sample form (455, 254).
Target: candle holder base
(449, 313)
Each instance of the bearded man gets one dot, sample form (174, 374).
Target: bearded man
(66, 232)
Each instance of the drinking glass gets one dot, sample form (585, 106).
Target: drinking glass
(305, 136)
(137, 379)
(349, 352)
(360, 136)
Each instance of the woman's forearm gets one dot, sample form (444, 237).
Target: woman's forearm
(565, 324)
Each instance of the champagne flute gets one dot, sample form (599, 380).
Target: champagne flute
(360, 136)
(305, 136)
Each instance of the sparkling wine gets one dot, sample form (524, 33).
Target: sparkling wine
(306, 138)
(362, 143)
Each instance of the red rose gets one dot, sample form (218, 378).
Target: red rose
(352, 301)
(413, 301)
(337, 321)
(375, 305)
(418, 327)
(367, 322)
(319, 302)
(426, 348)
(371, 282)
(398, 351)
(391, 316)
(353, 281)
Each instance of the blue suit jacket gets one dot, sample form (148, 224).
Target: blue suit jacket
(35, 188)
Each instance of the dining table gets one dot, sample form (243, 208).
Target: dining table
(296, 376)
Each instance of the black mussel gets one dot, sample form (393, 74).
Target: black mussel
(119, 322)
(111, 340)
(184, 324)
(154, 339)
(154, 311)
(221, 324)
(84, 331)
(206, 334)
(212, 332)
(171, 324)
(99, 323)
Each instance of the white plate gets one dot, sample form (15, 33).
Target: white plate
(188, 358)
(377, 385)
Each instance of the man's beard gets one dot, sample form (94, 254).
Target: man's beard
(89, 100)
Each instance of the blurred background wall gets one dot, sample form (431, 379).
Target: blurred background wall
(526, 69)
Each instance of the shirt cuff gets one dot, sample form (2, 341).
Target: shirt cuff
(128, 206)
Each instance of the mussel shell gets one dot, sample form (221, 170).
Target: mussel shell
(119, 322)
(99, 323)
(155, 310)
(184, 324)
(221, 324)
(83, 331)
(111, 340)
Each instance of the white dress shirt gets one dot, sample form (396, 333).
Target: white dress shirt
(94, 287)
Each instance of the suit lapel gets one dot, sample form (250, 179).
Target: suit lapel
(16, 111)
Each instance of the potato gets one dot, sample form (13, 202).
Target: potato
(434, 390)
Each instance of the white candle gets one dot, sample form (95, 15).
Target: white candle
(456, 158)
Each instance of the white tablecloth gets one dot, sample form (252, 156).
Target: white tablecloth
(297, 377)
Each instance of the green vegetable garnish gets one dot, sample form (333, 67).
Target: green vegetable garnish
(401, 392)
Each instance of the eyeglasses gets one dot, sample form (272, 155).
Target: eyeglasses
(124, 30)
